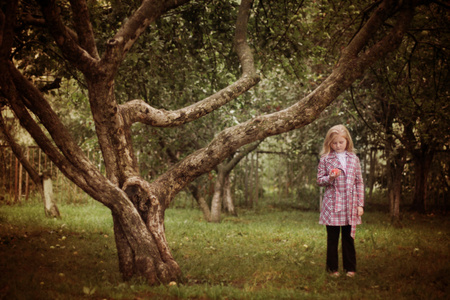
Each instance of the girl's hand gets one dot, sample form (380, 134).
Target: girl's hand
(360, 210)
(335, 173)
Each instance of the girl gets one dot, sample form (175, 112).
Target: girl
(339, 172)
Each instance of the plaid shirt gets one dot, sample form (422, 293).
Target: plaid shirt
(344, 194)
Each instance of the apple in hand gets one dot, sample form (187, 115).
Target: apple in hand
(335, 172)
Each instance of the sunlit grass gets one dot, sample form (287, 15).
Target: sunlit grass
(272, 254)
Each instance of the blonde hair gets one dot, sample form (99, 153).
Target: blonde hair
(335, 131)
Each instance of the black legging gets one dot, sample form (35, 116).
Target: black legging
(348, 249)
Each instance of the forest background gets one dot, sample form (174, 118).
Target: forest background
(397, 112)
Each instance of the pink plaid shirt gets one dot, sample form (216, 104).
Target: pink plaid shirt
(344, 194)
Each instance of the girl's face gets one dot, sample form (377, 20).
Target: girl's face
(339, 144)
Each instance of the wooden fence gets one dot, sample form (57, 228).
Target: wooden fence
(16, 184)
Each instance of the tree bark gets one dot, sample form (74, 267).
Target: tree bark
(216, 204)
(396, 195)
(395, 162)
(422, 164)
(200, 198)
(373, 165)
(51, 210)
(228, 198)
(396, 168)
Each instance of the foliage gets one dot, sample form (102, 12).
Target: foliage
(182, 58)
(403, 102)
(290, 50)
(270, 254)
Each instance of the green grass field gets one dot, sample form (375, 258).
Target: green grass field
(269, 254)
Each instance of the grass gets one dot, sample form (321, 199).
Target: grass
(269, 254)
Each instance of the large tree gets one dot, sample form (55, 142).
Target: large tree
(137, 205)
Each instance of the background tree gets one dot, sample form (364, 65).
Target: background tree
(408, 96)
(222, 192)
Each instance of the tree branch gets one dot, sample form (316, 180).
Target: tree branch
(384, 10)
(139, 111)
(18, 152)
(66, 39)
(55, 84)
(240, 39)
(7, 21)
(147, 13)
(33, 128)
(70, 159)
(83, 27)
(237, 158)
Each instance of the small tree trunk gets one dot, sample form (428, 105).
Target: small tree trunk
(51, 210)
(204, 207)
(246, 183)
(373, 164)
(16, 181)
(201, 201)
(395, 197)
(396, 167)
(20, 182)
(422, 162)
(228, 199)
(27, 177)
(216, 204)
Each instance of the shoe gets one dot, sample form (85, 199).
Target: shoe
(335, 274)
(351, 274)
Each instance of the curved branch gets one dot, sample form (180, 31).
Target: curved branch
(240, 39)
(35, 131)
(440, 3)
(66, 39)
(383, 12)
(83, 27)
(7, 21)
(139, 111)
(18, 152)
(359, 112)
(237, 158)
(125, 38)
(69, 158)
(392, 40)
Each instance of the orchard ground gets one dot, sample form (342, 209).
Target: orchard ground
(265, 253)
